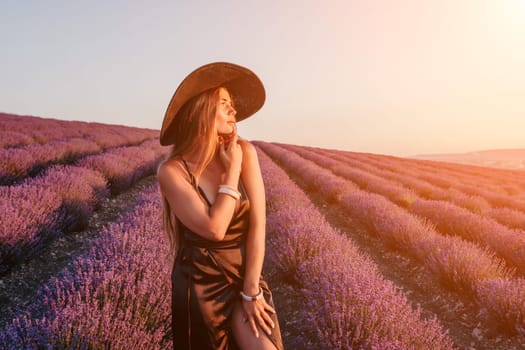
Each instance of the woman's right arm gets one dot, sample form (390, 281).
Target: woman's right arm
(211, 223)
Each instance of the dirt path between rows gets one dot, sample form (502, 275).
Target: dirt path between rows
(466, 327)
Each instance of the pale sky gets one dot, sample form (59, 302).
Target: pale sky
(397, 77)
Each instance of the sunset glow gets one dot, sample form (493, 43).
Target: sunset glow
(398, 77)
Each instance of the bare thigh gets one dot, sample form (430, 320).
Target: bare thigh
(244, 334)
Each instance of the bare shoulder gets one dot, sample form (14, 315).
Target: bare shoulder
(248, 150)
(168, 165)
(253, 181)
(170, 170)
(251, 171)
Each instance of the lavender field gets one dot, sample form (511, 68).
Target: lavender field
(364, 251)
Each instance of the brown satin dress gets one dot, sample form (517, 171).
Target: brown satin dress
(207, 278)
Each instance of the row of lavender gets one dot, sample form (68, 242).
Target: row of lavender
(495, 175)
(477, 207)
(350, 304)
(490, 194)
(58, 147)
(449, 218)
(460, 264)
(504, 203)
(486, 181)
(488, 175)
(116, 296)
(62, 198)
(428, 179)
(19, 130)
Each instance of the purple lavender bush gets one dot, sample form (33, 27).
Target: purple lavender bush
(123, 166)
(18, 163)
(464, 266)
(116, 296)
(350, 304)
(25, 227)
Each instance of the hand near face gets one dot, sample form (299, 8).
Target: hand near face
(231, 153)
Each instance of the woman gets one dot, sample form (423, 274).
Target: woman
(214, 214)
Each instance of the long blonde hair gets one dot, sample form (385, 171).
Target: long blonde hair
(194, 128)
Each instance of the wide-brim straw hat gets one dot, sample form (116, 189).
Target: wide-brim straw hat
(245, 87)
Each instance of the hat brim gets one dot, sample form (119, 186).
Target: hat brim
(245, 87)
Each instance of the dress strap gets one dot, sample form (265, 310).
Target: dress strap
(194, 182)
(243, 190)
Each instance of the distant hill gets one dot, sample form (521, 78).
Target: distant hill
(499, 158)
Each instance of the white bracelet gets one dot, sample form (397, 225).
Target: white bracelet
(252, 298)
(229, 191)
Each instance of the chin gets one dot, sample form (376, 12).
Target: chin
(226, 131)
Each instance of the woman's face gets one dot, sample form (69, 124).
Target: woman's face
(225, 114)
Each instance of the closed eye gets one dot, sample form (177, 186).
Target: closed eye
(225, 101)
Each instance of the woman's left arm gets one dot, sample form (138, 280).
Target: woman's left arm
(255, 241)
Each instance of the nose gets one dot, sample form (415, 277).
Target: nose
(232, 110)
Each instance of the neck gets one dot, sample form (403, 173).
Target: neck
(192, 157)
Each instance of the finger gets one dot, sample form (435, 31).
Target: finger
(268, 319)
(268, 307)
(263, 324)
(235, 135)
(222, 149)
(232, 142)
(254, 327)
